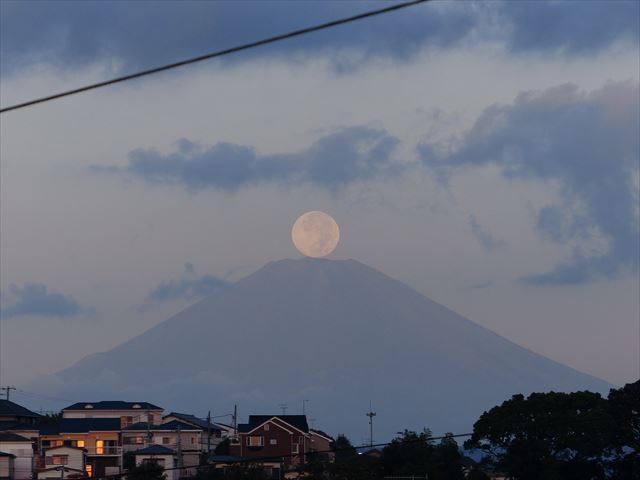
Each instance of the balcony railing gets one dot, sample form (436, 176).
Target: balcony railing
(106, 450)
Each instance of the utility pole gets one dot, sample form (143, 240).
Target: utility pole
(179, 449)
(7, 389)
(209, 432)
(304, 404)
(371, 414)
(234, 423)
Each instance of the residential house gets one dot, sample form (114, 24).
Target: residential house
(100, 437)
(7, 465)
(182, 438)
(65, 462)
(320, 443)
(273, 436)
(163, 456)
(212, 432)
(14, 413)
(21, 454)
(128, 412)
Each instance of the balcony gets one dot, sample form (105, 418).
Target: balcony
(106, 451)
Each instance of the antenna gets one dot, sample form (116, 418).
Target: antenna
(304, 405)
(284, 407)
(371, 414)
(8, 390)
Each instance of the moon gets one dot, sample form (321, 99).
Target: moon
(315, 234)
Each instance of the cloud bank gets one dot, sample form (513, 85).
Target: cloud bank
(35, 299)
(585, 143)
(189, 286)
(69, 34)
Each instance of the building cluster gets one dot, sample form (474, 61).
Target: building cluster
(101, 439)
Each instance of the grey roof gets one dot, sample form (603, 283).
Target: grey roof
(81, 425)
(11, 425)
(113, 405)
(192, 419)
(5, 454)
(169, 426)
(154, 450)
(297, 421)
(12, 437)
(9, 408)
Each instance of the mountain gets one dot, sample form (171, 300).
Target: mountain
(336, 333)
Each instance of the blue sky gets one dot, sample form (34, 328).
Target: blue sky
(484, 153)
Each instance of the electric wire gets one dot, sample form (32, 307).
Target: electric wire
(219, 53)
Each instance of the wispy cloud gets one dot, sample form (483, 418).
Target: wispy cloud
(488, 241)
(588, 144)
(189, 286)
(35, 299)
(334, 161)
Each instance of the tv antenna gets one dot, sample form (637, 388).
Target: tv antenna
(371, 414)
(283, 407)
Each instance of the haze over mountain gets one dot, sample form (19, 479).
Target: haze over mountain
(336, 333)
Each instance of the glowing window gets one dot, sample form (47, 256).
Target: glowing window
(99, 447)
(80, 444)
(255, 441)
(89, 470)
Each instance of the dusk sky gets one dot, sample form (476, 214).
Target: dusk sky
(486, 154)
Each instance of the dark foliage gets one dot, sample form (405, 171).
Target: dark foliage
(146, 471)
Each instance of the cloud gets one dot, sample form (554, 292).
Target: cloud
(334, 161)
(484, 236)
(34, 299)
(128, 36)
(587, 145)
(189, 286)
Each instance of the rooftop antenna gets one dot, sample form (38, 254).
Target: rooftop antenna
(371, 414)
(284, 407)
(304, 406)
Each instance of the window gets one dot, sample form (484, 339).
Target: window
(266, 427)
(157, 461)
(99, 447)
(273, 441)
(194, 440)
(126, 421)
(56, 443)
(89, 468)
(80, 444)
(255, 441)
(165, 440)
(58, 460)
(295, 449)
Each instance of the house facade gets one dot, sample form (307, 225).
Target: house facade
(65, 462)
(128, 412)
(284, 437)
(99, 437)
(163, 456)
(212, 433)
(19, 455)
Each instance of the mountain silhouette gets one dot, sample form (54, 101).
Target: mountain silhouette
(334, 332)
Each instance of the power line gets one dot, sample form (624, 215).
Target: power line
(219, 53)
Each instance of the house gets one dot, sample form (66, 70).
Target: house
(65, 461)
(182, 438)
(212, 433)
(286, 437)
(128, 412)
(100, 437)
(7, 465)
(163, 456)
(13, 413)
(20, 449)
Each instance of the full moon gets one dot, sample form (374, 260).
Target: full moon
(315, 234)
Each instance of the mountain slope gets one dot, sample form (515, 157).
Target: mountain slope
(337, 333)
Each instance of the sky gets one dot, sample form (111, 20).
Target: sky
(486, 154)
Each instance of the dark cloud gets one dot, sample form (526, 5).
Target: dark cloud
(585, 143)
(34, 299)
(133, 35)
(485, 238)
(334, 161)
(189, 286)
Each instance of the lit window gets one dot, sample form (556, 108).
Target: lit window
(80, 444)
(89, 470)
(273, 441)
(255, 441)
(99, 447)
(59, 459)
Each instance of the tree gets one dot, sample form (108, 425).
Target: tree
(409, 454)
(251, 471)
(624, 405)
(446, 460)
(476, 474)
(147, 471)
(548, 435)
(343, 449)
(223, 447)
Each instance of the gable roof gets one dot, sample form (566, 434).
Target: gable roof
(193, 420)
(81, 425)
(113, 405)
(299, 422)
(168, 426)
(12, 425)
(154, 450)
(12, 437)
(321, 434)
(9, 409)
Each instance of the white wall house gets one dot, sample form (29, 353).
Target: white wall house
(22, 448)
(72, 459)
(128, 412)
(163, 456)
